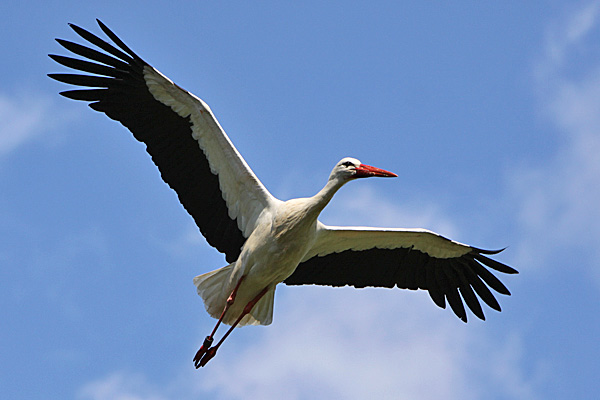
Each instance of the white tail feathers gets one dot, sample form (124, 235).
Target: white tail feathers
(215, 287)
(262, 312)
(212, 287)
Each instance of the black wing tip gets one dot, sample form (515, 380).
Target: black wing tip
(81, 94)
(119, 42)
(491, 263)
(121, 50)
(478, 254)
(58, 58)
(77, 28)
(482, 316)
(61, 41)
(101, 24)
(489, 252)
(66, 94)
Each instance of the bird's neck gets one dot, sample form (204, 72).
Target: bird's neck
(321, 199)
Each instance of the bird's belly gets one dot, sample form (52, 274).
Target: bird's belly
(274, 261)
(272, 253)
(278, 265)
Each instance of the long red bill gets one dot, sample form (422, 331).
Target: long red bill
(366, 171)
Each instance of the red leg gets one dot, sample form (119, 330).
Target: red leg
(210, 353)
(209, 339)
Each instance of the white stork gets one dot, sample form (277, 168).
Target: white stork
(266, 241)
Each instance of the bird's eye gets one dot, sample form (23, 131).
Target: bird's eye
(348, 164)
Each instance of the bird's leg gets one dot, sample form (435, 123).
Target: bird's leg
(210, 353)
(209, 339)
(230, 301)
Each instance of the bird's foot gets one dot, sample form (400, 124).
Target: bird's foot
(210, 353)
(205, 347)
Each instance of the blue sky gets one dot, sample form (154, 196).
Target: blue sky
(487, 112)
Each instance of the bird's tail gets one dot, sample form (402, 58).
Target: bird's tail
(215, 287)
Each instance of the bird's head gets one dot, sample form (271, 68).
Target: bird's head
(350, 168)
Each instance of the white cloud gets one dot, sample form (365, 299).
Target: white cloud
(120, 386)
(351, 344)
(344, 343)
(361, 205)
(26, 116)
(188, 242)
(567, 36)
(355, 344)
(559, 199)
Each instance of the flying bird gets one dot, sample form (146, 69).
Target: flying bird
(266, 241)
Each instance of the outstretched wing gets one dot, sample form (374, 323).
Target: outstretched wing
(407, 258)
(194, 155)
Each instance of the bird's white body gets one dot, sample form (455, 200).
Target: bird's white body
(285, 233)
(270, 255)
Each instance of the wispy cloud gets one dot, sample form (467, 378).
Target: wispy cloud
(26, 116)
(359, 344)
(559, 198)
(120, 386)
(368, 344)
(565, 37)
(352, 344)
(362, 205)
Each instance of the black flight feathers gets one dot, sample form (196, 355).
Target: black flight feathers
(113, 82)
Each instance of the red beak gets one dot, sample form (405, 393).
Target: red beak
(366, 171)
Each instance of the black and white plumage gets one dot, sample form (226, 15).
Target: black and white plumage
(265, 240)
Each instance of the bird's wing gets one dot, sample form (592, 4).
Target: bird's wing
(193, 153)
(407, 258)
